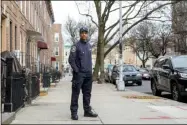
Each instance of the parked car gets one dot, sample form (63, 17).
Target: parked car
(130, 75)
(108, 73)
(145, 73)
(169, 74)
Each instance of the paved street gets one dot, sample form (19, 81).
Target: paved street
(113, 107)
(146, 88)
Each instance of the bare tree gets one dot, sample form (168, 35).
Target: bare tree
(134, 13)
(162, 41)
(142, 36)
(72, 27)
(179, 25)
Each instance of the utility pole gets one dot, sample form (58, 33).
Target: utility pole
(120, 82)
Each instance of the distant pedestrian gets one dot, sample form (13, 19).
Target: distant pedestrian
(80, 60)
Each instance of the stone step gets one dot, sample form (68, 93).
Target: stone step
(7, 118)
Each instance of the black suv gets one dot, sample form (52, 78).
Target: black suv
(169, 74)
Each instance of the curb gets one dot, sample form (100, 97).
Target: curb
(7, 118)
(144, 94)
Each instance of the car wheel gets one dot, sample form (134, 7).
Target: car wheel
(139, 83)
(154, 89)
(176, 93)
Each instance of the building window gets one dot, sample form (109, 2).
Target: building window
(20, 40)
(35, 20)
(57, 66)
(15, 37)
(57, 51)
(31, 13)
(56, 37)
(21, 5)
(10, 36)
(29, 9)
(26, 9)
(44, 14)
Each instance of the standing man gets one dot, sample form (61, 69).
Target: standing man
(80, 60)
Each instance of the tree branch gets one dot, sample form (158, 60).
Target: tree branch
(122, 7)
(108, 11)
(86, 15)
(130, 7)
(144, 18)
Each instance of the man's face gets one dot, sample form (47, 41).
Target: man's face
(84, 35)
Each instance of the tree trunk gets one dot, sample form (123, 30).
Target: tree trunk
(101, 80)
(100, 55)
(143, 63)
(97, 65)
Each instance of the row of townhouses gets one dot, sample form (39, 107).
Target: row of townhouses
(27, 29)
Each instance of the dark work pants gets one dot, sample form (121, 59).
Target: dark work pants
(81, 81)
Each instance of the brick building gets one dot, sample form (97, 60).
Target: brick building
(58, 49)
(21, 21)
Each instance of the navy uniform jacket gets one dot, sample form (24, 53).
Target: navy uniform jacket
(80, 57)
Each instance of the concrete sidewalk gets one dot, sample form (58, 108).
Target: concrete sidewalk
(112, 106)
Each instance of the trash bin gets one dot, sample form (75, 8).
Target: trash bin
(53, 76)
(46, 80)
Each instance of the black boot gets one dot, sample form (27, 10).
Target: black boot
(74, 117)
(90, 114)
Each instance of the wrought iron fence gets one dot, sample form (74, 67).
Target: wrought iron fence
(18, 94)
(3, 82)
(20, 86)
(13, 86)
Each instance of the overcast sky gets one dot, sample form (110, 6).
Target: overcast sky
(61, 11)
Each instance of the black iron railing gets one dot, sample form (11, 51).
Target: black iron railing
(3, 81)
(17, 87)
(14, 88)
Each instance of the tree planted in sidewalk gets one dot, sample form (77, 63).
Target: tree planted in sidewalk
(133, 14)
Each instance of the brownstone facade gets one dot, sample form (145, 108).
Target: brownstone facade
(20, 16)
(58, 51)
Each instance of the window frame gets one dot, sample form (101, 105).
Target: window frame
(56, 50)
(57, 37)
